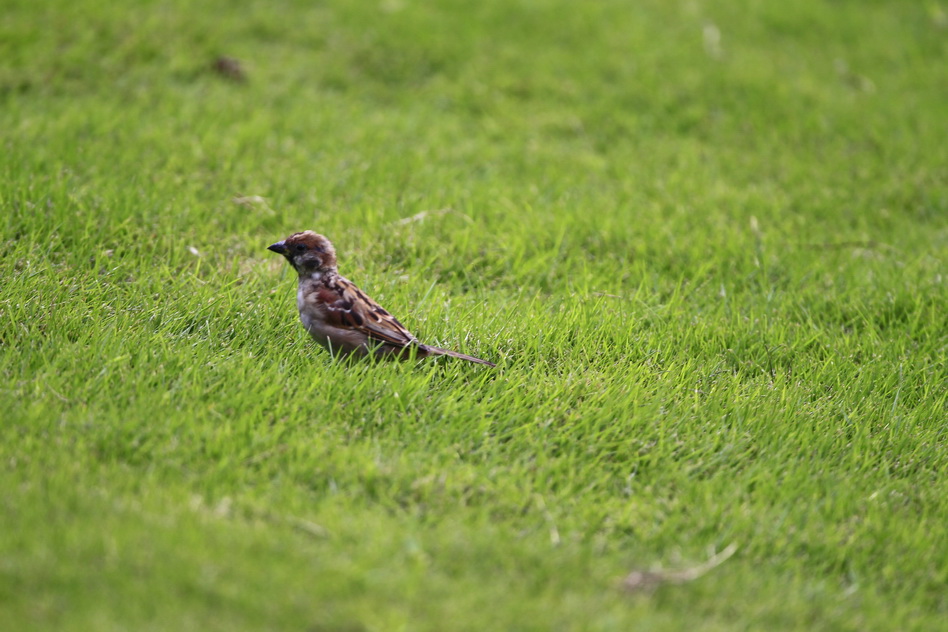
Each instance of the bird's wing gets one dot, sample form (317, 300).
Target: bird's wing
(347, 306)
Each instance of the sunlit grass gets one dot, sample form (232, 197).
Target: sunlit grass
(705, 246)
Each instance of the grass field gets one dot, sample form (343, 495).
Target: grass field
(706, 246)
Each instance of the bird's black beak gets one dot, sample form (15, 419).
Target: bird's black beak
(279, 248)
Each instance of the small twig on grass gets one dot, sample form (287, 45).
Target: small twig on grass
(419, 217)
(250, 201)
(311, 528)
(266, 454)
(300, 524)
(646, 580)
(225, 509)
(58, 395)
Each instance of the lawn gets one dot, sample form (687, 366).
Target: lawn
(705, 243)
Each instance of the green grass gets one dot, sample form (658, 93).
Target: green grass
(706, 246)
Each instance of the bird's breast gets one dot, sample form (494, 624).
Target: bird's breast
(313, 311)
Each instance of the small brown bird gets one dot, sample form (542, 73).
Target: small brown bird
(340, 316)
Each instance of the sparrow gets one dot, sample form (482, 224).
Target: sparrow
(340, 316)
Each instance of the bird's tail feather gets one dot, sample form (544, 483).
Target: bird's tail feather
(455, 354)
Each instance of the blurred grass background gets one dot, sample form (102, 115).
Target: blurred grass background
(706, 244)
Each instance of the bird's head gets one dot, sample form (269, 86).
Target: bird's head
(307, 252)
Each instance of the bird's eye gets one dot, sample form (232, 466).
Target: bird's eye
(300, 248)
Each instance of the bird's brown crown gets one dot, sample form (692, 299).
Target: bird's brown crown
(307, 252)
